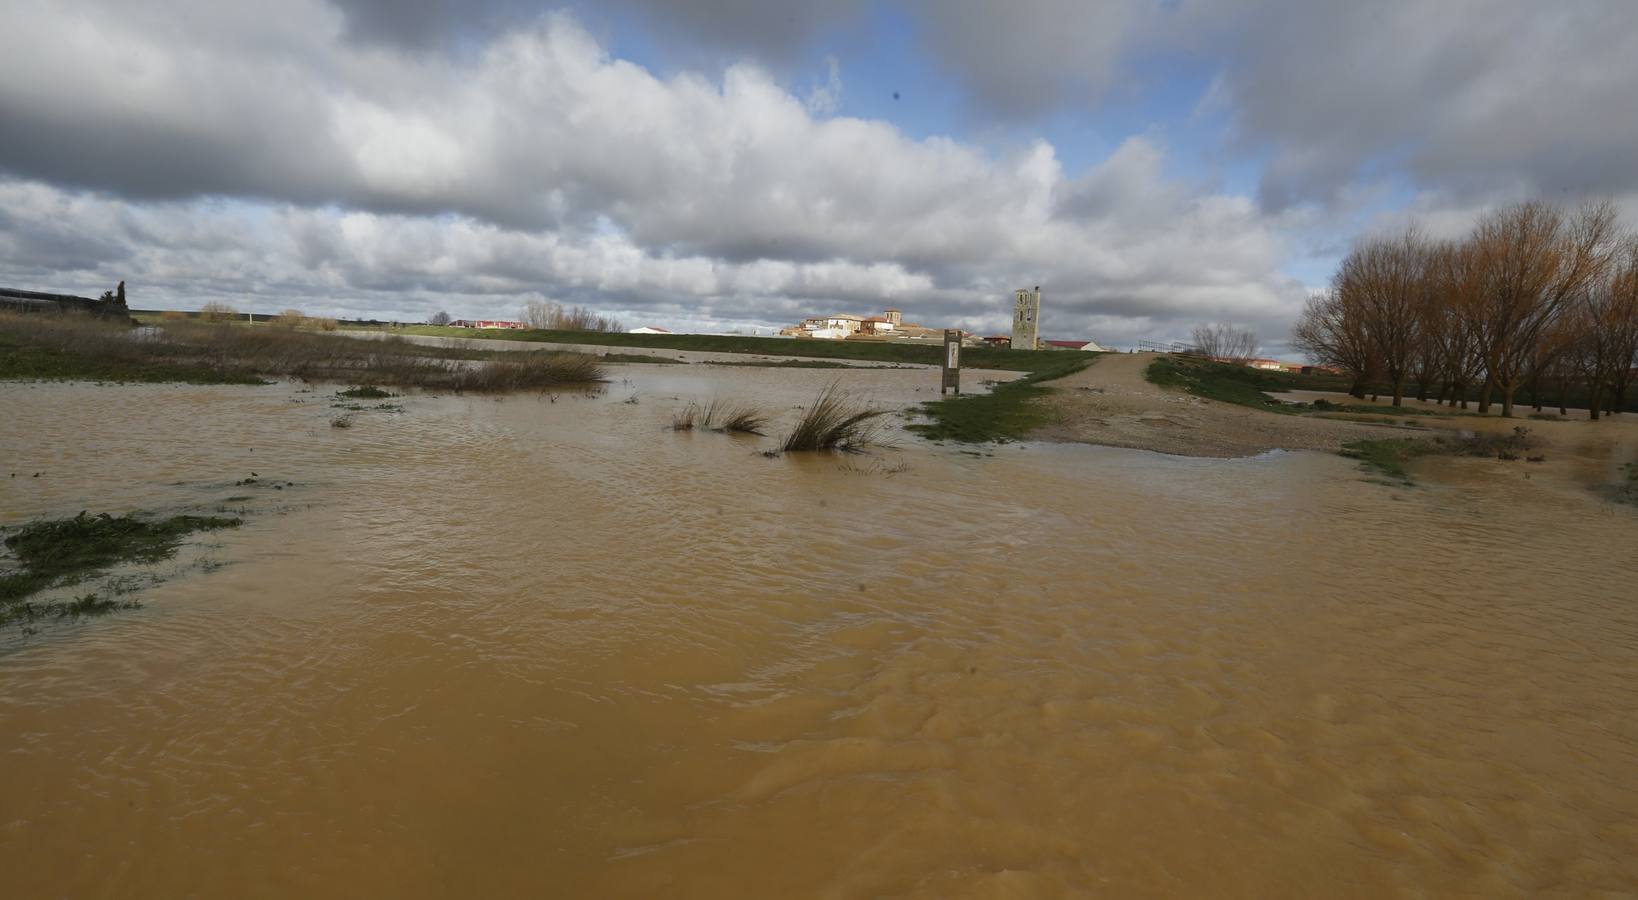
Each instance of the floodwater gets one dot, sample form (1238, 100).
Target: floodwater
(542, 646)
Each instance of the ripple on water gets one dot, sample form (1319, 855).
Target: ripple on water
(540, 644)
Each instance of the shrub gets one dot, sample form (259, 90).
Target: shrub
(833, 422)
(290, 318)
(217, 312)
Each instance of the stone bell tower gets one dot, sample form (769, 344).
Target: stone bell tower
(1026, 319)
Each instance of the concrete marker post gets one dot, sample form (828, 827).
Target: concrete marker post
(952, 363)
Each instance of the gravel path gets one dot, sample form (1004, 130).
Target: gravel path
(1110, 403)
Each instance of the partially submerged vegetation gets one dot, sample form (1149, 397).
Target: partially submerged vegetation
(1389, 456)
(367, 392)
(833, 422)
(641, 358)
(82, 348)
(730, 417)
(734, 417)
(58, 552)
(1005, 413)
(1625, 489)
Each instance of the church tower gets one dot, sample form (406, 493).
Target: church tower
(1026, 319)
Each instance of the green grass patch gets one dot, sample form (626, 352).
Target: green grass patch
(1374, 409)
(1006, 413)
(923, 353)
(641, 358)
(1388, 456)
(366, 393)
(25, 363)
(1224, 382)
(53, 552)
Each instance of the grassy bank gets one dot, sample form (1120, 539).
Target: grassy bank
(57, 347)
(1005, 413)
(1229, 383)
(871, 351)
(58, 552)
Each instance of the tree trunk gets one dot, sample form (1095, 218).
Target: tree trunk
(1595, 399)
(1507, 401)
(1484, 395)
(1399, 392)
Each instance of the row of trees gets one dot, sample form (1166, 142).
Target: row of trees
(549, 314)
(1533, 294)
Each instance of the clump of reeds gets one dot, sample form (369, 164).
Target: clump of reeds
(833, 422)
(735, 417)
(684, 420)
(524, 371)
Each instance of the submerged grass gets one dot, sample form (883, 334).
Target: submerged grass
(731, 416)
(720, 415)
(60, 551)
(1389, 456)
(834, 422)
(1005, 413)
(365, 393)
(641, 358)
(82, 348)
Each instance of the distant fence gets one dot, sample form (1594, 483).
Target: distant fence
(1171, 347)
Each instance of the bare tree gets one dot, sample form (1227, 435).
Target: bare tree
(1534, 260)
(217, 312)
(551, 315)
(1455, 288)
(1605, 318)
(1385, 280)
(1222, 341)
(1331, 334)
(439, 318)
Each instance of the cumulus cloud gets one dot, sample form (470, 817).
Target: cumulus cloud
(1470, 97)
(294, 164)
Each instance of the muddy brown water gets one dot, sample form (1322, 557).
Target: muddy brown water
(543, 647)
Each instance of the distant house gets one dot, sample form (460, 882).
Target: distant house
(486, 323)
(998, 340)
(878, 325)
(1088, 346)
(1270, 364)
(648, 329)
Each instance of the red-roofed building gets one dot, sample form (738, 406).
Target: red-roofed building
(1089, 346)
(486, 323)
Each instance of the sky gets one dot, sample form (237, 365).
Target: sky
(735, 165)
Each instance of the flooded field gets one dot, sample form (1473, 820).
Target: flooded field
(542, 646)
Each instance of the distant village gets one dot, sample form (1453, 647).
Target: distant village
(890, 326)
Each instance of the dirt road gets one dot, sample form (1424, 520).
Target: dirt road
(1110, 403)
